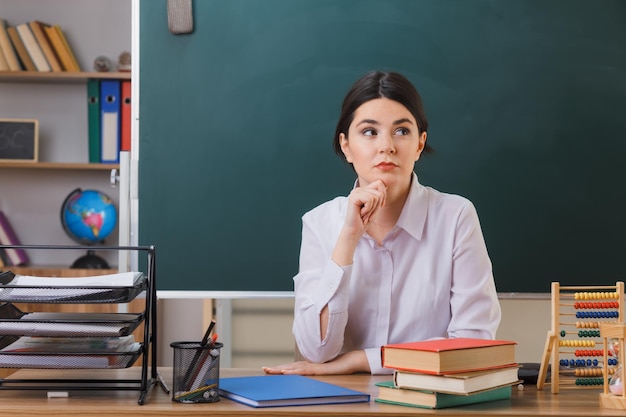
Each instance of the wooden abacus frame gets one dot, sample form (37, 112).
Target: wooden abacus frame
(566, 298)
(607, 399)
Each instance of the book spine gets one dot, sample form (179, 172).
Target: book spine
(35, 52)
(8, 237)
(42, 39)
(7, 48)
(59, 48)
(22, 53)
(4, 66)
(73, 61)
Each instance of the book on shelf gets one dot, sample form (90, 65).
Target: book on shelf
(20, 48)
(62, 48)
(39, 32)
(4, 65)
(286, 390)
(6, 46)
(462, 383)
(388, 393)
(452, 355)
(8, 236)
(33, 48)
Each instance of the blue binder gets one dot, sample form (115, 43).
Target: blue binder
(110, 121)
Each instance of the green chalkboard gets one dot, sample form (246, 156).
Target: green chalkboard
(527, 108)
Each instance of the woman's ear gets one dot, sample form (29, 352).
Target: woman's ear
(420, 146)
(343, 141)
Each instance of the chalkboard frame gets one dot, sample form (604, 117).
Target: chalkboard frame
(31, 154)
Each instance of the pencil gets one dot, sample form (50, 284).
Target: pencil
(198, 354)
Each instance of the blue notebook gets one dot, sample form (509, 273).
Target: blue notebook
(286, 390)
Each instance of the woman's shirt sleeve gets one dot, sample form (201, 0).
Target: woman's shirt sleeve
(319, 282)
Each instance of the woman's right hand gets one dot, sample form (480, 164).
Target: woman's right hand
(363, 204)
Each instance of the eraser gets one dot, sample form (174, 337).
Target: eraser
(58, 394)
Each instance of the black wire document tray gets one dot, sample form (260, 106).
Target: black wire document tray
(96, 289)
(15, 322)
(68, 343)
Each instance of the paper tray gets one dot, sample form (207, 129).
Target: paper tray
(57, 360)
(68, 361)
(15, 322)
(71, 295)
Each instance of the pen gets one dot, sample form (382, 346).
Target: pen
(205, 339)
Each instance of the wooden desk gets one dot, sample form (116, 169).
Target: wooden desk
(529, 402)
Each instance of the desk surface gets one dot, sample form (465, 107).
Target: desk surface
(529, 402)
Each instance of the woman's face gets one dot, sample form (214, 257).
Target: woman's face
(383, 143)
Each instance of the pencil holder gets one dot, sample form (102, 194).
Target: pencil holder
(196, 372)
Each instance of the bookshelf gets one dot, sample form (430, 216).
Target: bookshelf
(31, 193)
(60, 77)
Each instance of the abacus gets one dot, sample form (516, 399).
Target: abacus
(574, 343)
(614, 400)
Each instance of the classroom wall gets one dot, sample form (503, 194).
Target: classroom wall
(262, 328)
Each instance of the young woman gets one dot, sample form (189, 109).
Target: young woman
(395, 261)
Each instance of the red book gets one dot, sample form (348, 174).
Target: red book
(8, 237)
(125, 116)
(447, 356)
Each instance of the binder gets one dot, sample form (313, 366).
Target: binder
(93, 119)
(110, 121)
(125, 122)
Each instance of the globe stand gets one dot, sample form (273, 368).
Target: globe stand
(90, 261)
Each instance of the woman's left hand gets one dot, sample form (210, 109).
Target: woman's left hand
(348, 363)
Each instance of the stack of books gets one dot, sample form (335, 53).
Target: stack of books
(448, 372)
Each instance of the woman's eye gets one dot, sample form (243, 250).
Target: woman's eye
(402, 131)
(369, 132)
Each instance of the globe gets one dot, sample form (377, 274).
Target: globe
(88, 217)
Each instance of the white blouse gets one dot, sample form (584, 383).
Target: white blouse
(431, 278)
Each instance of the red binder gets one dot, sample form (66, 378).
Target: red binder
(126, 125)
